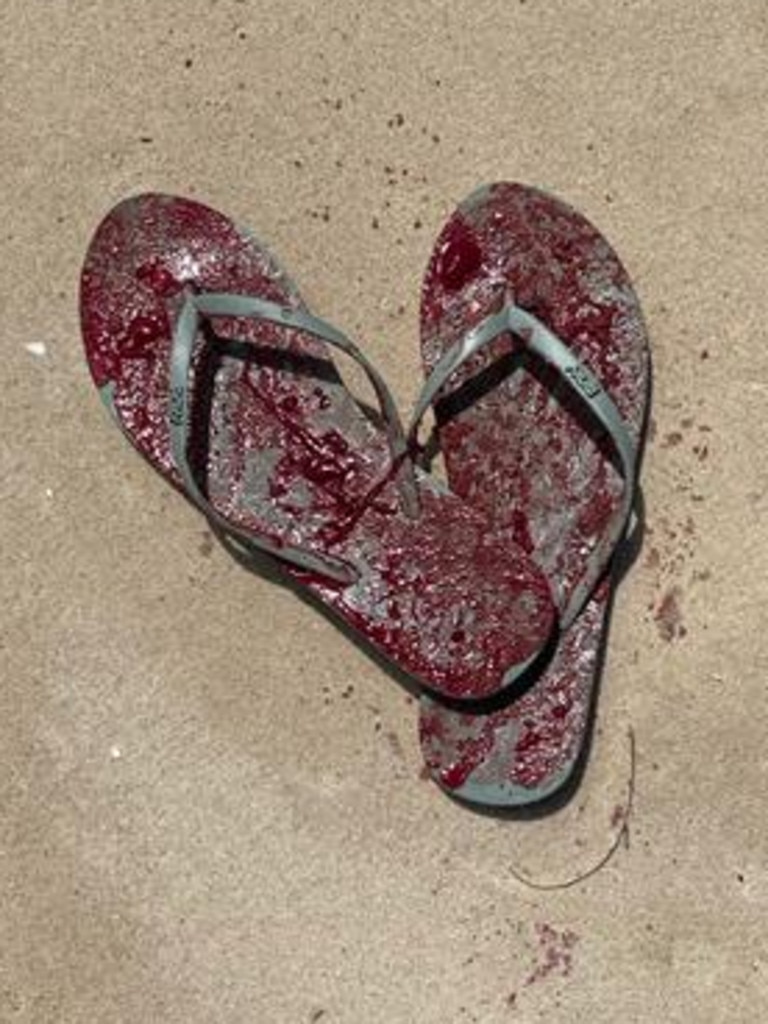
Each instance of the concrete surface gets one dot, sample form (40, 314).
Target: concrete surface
(210, 802)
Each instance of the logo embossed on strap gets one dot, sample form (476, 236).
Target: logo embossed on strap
(177, 405)
(584, 380)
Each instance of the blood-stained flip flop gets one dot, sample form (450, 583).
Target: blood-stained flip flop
(220, 376)
(541, 427)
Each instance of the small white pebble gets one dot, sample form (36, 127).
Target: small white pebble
(49, 492)
(37, 348)
(115, 752)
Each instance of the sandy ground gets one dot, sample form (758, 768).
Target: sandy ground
(210, 801)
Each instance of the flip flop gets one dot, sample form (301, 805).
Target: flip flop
(219, 375)
(541, 427)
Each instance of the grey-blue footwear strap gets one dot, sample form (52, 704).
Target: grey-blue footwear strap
(243, 306)
(583, 383)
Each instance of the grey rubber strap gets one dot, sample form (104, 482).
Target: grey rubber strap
(184, 336)
(223, 304)
(583, 383)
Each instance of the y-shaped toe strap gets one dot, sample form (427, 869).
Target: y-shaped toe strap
(583, 383)
(243, 306)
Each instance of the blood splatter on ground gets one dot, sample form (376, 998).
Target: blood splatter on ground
(554, 954)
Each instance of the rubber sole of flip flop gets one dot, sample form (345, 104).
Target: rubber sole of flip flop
(287, 455)
(519, 450)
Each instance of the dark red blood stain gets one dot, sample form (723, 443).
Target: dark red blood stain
(326, 473)
(617, 818)
(137, 420)
(459, 257)
(277, 489)
(529, 741)
(473, 752)
(456, 775)
(521, 531)
(143, 334)
(158, 278)
(560, 711)
(333, 441)
(595, 516)
(669, 617)
(323, 400)
(323, 460)
(351, 509)
(289, 404)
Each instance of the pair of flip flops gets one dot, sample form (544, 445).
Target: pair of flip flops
(491, 595)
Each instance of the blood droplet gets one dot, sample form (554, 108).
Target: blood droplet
(158, 278)
(459, 258)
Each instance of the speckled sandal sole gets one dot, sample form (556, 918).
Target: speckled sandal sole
(546, 447)
(215, 370)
